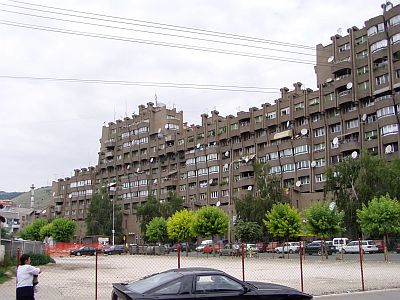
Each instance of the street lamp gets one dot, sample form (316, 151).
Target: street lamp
(111, 187)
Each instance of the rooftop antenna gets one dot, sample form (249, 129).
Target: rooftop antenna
(126, 109)
(155, 97)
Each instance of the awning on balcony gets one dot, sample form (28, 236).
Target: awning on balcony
(283, 134)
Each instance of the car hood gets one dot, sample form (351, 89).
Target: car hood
(277, 289)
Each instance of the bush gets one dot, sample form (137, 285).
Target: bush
(40, 259)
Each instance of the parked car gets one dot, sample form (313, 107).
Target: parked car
(380, 244)
(191, 247)
(291, 247)
(212, 248)
(251, 247)
(230, 250)
(116, 249)
(272, 246)
(367, 246)
(338, 243)
(204, 243)
(85, 250)
(201, 283)
(262, 247)
(316, 248)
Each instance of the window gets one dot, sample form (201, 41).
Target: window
(329, 97)
(382, 79)
(275, 170)
(216, 284)
(369, 102)
(344, 47)
(352, 124)
(299, 106)
(319, 147)
(288, 168)
(285, 111)
(336, 128)
(212, 156)
(320, 178)
(273, 155)
(389, 129)
(315, 117)
(362, 54)
(304, 164)
(362, 70)
(386, 111)
(222, 130)
(361, 40)
(211, 133)
(234, 126)
(363, 86)
(371, 135)
(214, 169)
(191, 174)
(286, 152)
(334, 112)
(214, 195)
(202, 171)
(271, 115)
(304, 179)
(395, 38)
(314, 101)
(375, 29)
(190, 161)
(319, 132)
(320, 162)
(181, 141)
(301, 149)
(394, 20)
(378, 45)
(258, 119)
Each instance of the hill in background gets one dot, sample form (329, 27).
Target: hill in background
(42, 198)
(8, 196)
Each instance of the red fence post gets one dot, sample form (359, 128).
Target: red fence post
(178, 248)
(96, 281)
(361, 263)
(243, 261)
(301, 266)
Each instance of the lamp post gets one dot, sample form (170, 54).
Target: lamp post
(111, 187)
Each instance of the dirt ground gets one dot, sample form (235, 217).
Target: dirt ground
(75, 277)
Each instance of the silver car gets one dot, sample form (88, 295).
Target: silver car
(367, 246)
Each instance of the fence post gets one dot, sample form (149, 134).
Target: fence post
(96, 271)
(243, 261)
(301, 266)
(178, 248)
(18, 256)
(361, 263)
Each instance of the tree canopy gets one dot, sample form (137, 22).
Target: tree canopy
(63, 229)
(157, 230)
(32, 231)
(210, 221)
(283, 221)
(324, 220)
(180, 225)
(247, 231)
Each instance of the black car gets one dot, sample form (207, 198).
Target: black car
(116, 249)
(201, 283)
(191, 247)
(85, 250)
(316, 248)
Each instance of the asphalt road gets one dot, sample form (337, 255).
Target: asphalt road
(369, 295)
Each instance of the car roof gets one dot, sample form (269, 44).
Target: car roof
(196, 271)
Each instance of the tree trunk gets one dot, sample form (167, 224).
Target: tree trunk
(385, 250)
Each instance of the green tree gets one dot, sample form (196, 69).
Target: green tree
(380, 217)
(247, 231)
(210, 221)
(324, 221)
(180, 227)
(99, 220)
(283, 221)
(252, 208)
(46, 231)
(32, 231)
(156, 230)
(172, 204)
(147, 211)
(356, 181)
(63, 229)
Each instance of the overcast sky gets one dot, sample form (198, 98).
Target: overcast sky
(50, 127)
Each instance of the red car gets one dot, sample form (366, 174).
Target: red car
(212, 248)
(380, 245)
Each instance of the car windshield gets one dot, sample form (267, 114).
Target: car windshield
(148, 283)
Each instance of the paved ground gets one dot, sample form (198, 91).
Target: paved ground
(74, 277)
(368, 295)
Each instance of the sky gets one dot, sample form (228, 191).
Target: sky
(68, 67)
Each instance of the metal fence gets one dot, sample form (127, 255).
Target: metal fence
(12, 246)
(91, 277)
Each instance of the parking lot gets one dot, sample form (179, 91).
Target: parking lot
(74, 277)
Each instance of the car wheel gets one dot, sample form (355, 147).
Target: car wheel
(291, 251)
(78, 254)
(343, 251)
(319, 252)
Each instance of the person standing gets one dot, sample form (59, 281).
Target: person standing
(25, 275)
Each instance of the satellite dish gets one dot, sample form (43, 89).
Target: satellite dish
(332, 205)
(364, 117)
(226, 166)
(249, 188)
(137, 170)
(349, 85)
(166, 126)
(287, 124)
(313, 164)
(335, 141)
(151, 159)
(128, 167)
(226, 153)
(159, 130)
(210, 181)
(246, 159)
(354, 154)
(335, 174)
(298, 183)
(330, 59)
(328, 80)
(70, 196)
(218, 203)
(388, 149)
(155, 181)
(198, 146)
(304, 131)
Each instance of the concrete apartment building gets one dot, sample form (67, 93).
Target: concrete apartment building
(356, 107)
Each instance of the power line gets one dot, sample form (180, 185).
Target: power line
(143, 31)
(179, 28)
(150, 42)
(230, 88)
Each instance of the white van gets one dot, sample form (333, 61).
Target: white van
(338, 243)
